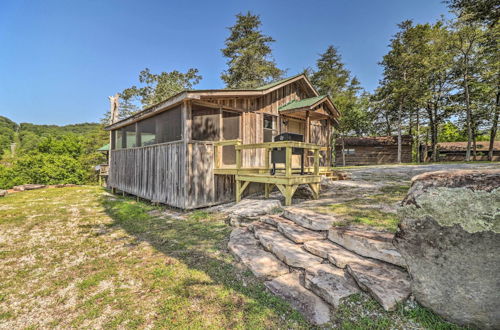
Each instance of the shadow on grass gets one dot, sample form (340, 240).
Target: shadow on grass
(199, 244)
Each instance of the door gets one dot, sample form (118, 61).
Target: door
(230, 131)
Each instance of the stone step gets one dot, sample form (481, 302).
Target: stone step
(368, 243)
(246, 248)
(330, 283)
(260, 225)
(290, 253)
(271, 219)
(297, 233)
(309, 219)
(289, 287)
(387, 284)
(335, 253)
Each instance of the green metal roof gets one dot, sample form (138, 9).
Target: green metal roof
(302, 103)
(104, 148)
(266, 86)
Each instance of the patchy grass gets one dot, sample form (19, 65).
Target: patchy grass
(81, 258)
(360, 312)
(74, 257)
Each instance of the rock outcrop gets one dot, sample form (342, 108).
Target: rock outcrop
(249, 210)
(449, 237)
(3, 193)
(28, 187)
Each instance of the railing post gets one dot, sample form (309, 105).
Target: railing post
(316, 161)
(238, 158)
(288, 161)
(216, 156)
(266, 158)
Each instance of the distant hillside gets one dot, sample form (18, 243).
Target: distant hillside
(30, 134)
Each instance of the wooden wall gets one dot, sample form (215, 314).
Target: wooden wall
(372, 155)
(156, 173)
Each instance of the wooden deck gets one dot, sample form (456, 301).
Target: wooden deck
(286, 179)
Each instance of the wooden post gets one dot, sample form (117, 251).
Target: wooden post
(238, 159)
(266, 158)
(266, 190)
(316, 161)
(238, 193)
(307, 131)
(288, 195)
(288, 161)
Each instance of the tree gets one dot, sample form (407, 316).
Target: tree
(155, 88)
(250, 62)
(481, 11)
(332, 78)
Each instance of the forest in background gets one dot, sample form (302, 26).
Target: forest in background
(49, 154)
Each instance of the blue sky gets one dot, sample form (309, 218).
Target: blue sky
(61, 59)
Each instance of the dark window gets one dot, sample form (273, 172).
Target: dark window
(270, 130)
(168, 126)
(128, 136)
(146, 129)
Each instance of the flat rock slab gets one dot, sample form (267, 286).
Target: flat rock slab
(243, 245)
(297, 233)
(310, 305)
(260, 225)
(387, 284)
(290, 253)
(330, 283)
(368, 243)
(253, 207)
(309, 219)
(335, 253)
(28, 187)
(272, 219)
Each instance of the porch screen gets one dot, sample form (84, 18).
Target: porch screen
(146, 130)
(230, 131)
(128, 136)
(205, 123)
(168, 125)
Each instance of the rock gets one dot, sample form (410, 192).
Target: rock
(330, 283)
(259, 225)
(342, 175)
(272, 219)
(3, 193)
(368, 243)
(290, 253)
(65, 185)
(290, 289)
(387, 284)
(309, 219)
(303, 192)
(28, 187)
(336, 254)
(243, 245)
(449, 236)
(249, 210)
(297, 233)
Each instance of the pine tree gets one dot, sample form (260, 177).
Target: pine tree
(250, 62)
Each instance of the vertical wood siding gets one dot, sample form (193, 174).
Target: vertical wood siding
(155, 172)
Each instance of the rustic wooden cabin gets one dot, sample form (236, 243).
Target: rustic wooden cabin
(456, 151)
(372, 150)
(205, 147)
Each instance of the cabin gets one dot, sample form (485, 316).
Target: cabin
(205, 147)
(456, 151)
(372, 150)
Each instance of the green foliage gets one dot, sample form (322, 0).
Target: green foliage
(250, 62)
(154, 88)
(49, 154)
(7, 133)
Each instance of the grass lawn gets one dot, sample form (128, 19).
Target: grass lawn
(79, 257)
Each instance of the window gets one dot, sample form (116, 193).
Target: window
(129, 136)
(349, 151)
(270, 130)
(118, 138)
(146, 129)
(168, 126)
(205, 124)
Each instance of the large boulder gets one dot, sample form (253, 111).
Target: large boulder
(449, 237)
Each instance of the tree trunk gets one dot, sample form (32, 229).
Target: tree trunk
(343, 150)
(469, 115)
(417, 134)
(494, 126)
(432, 124)
(400, 110)
(474, 138)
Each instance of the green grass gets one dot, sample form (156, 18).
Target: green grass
(76, 258)
(82, 259)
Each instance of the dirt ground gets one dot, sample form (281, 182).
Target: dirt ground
(372, 195)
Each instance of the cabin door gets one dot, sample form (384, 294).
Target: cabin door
(230, 131)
